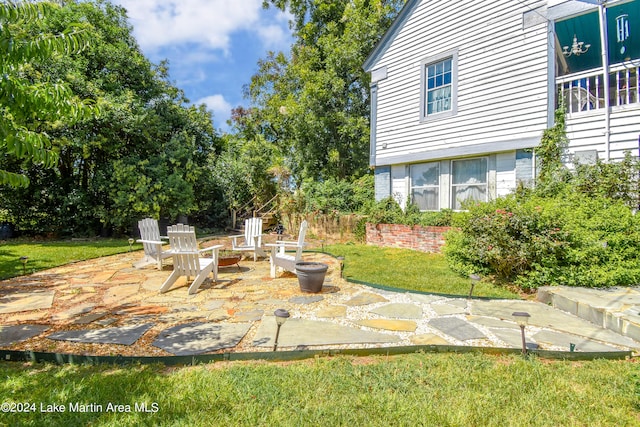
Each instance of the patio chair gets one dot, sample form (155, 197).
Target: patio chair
(280, 259)
(186, 258)
(152, 241)
(251, 240)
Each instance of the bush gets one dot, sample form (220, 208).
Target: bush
(571, 239)
(388, 211)
(331, 196)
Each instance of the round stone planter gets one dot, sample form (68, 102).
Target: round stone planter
(311, 276)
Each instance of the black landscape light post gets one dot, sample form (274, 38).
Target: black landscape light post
(474, 279)
(522, 318)
(341, 261)
(281, 316)
(23, 260)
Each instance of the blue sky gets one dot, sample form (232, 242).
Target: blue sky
(213, 46)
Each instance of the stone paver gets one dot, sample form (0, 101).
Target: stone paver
(456, 328)
(125, 335)
(197, 338)
(366, 298)
(428, 339)
(26, 301)
(399, 311)
(301, 332)
(389, 324)
(10, 335)
(332, 311)
(445, 309)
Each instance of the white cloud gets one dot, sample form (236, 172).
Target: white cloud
(220, 107)
(208, 24)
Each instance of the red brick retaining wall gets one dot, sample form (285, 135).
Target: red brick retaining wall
(425, 239)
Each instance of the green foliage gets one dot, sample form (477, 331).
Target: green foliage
(552, 147)
(32, 106)
(314, 104)
(388, 211)
(572, 239)
(145, 155)
(332, 197)
(244, 173)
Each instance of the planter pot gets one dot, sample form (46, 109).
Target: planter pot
(311, 276)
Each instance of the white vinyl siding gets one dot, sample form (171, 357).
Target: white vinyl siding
(502, 93)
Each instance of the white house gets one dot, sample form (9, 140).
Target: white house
(461, 92)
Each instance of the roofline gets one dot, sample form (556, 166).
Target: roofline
(389, 35)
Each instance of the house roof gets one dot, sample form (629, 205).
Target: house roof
(388, 37)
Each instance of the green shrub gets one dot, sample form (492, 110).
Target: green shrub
(388, 211)
(571, 239)
(331, 196)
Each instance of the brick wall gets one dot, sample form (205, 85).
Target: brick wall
(425, 239)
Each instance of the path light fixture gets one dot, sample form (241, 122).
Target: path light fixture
(130, 243)
(522, 319)
(281, 316)
(23, 260)
(474, 279)
(341, 261)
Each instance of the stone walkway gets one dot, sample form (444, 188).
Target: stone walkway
(107, 307)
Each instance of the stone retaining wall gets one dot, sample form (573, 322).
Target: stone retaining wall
(424, 239)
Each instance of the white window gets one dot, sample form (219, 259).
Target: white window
(425, 186)
(468, 181)
(439, 86)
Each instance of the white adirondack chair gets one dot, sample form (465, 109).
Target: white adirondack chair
(152, 241)
(251, 240)
(186, 258)
(280, 259)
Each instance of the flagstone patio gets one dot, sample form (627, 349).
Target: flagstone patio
(106, 306)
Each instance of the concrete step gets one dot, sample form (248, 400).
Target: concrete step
(616, 309)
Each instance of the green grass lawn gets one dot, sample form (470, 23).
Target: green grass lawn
(47, 254)
(410, 390)
(411, 270)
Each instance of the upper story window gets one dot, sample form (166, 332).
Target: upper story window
(439, 86)
(425, 186)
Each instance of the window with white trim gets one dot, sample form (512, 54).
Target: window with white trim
(468, 181)
(439, 86)
(425, 186)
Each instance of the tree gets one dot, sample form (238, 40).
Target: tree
(315, 103)
(145, 155)
(30, 106)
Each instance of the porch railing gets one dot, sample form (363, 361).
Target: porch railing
(585, 91)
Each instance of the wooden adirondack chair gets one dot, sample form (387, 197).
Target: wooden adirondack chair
(152, 241)
(186, 258)
(280, 259)
(251, 239)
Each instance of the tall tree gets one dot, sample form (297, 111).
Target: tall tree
(145, 155)
(315, 102)
(32, 106)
